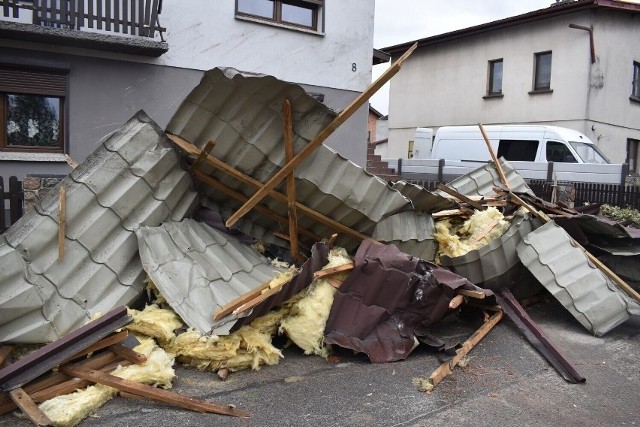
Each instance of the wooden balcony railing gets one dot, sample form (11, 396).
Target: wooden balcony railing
(135, 17)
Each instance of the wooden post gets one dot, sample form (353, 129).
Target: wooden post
(62, 218)
(30, 409)
(291, 179)
(320, 138)
(501, 174)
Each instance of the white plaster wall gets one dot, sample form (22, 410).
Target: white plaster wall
(203, 34)
(444, 84)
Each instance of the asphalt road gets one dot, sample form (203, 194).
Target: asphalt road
(505, 383)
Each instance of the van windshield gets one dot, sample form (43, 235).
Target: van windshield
(589, 153)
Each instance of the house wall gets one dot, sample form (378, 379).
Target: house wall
(106, 89)
(444, 84)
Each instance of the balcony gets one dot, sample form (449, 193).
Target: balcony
(124, 26)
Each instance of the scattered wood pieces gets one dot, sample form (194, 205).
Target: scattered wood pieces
(127, 354)
(446, 368)
(461, 197)
(70, 161)
(152, 393)
(456, 301)
(333, 270)
(29, 408)
(255, 301)
(242, 299)
(471, 294)
(496, 162)
(202, 156)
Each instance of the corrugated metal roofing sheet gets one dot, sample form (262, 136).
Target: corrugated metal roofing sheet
(495, 265)
(131, 179)
(481, 181)
(565, 271)
(411, 232)
(243, 115)
(199, 269)
(424, 200)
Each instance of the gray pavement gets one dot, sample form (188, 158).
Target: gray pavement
(506, 383)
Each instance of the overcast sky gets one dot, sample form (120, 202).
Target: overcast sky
(399, 21)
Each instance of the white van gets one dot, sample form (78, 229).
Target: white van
(529, 143)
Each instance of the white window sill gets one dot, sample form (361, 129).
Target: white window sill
(32, 157)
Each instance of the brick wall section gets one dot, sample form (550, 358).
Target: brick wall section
(35, 187)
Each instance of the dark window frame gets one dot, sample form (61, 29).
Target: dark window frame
(633, 151)
(316, 6)
(538, 87)
(35, 81)
(635, 82)
(491, 78)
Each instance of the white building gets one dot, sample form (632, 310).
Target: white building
(575, 64)
(97, 74)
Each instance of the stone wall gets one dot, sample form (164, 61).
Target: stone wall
(35, 187)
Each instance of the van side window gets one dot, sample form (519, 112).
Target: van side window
(559, 152)
(518, 150)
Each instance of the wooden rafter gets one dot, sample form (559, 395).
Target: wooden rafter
(291, 180)
(503, 177)
(319, 138)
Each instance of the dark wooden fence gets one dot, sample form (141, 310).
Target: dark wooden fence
(617, 195)
(13, 198)
(135, 17)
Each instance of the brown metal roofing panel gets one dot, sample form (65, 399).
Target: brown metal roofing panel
(319, 258)
(496, 264)
(387, 301)
(243, 115)
(565, 271)
(199, 270)
(131, 179)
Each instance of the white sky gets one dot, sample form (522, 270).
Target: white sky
(400, 21)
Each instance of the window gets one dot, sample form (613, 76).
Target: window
(495, 78)
(559, 152)
(635, 90)
(518, 150)
(633, 149)
(542, 72)
(298, 13)
(32, 110)
(410, 150)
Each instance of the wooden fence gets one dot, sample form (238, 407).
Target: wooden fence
(617, 195)
(135, 17)
(13, 198)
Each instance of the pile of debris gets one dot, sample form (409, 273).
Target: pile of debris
(231, 230)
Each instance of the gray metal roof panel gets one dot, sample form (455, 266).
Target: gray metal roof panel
(481, 181)
(101, 267)
(411, 232)
(565, 271)
(199, 269)
(423, 200)
(243, 115)
(491, 265)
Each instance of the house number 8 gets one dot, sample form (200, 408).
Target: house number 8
(354, 68)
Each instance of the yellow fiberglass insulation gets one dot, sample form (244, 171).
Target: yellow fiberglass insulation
(308, 317)
(476, 232)
(155, 322)
(70, 409)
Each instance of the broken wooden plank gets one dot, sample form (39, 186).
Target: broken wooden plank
(257, 300)
(461, 197)
(42, 360)
(316, 216)
(103, 343)
(153, 393)
(333, 270)
(456, 302)
(127, 354)
(446, 368)
(471, 294)
(496, 162)
(334, 282)
(5, 354)
(62, 219)
(320, 138)
(29, 408)
(291, 180)
(202, 156)
(242, 299)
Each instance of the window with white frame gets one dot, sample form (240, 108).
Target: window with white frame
(32, 109)
(494, 87)
(307, 14)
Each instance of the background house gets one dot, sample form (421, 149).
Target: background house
(88, 75)
(575, 64)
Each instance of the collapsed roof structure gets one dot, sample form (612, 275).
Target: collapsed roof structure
(127, 213)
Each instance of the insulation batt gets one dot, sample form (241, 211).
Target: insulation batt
(456, 241)
(308, 317)
(155, 322)
(70, 409)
